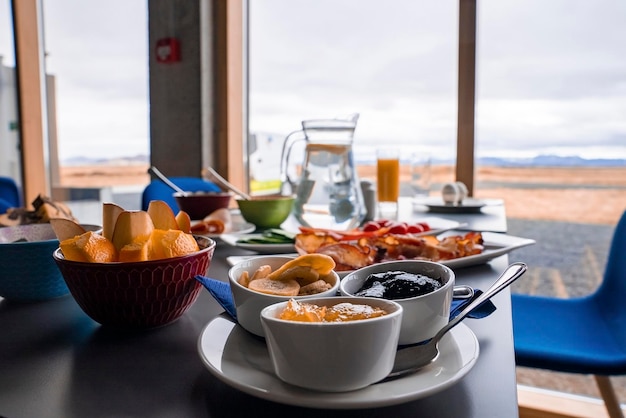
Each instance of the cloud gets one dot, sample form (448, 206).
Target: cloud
(549, 74)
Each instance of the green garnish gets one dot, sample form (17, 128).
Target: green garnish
(271, 236)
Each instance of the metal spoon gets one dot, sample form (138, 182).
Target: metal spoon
(210, 172)
(167, 181)
(411, 359)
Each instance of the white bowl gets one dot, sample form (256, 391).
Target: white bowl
(333, 356)
(249, 303)
(423, 315)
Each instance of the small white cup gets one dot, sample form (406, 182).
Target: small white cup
(333, 356)
(454, 193)
(423, 315)
(450, 193)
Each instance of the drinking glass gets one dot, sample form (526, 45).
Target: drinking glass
(388, 180)
(420, 173)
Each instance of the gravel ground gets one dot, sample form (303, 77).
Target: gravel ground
(568, 259)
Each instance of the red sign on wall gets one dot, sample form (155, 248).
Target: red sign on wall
(168, 50)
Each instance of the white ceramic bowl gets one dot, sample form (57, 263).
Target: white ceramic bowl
(423, 315)
(249, 303)
(333, 356)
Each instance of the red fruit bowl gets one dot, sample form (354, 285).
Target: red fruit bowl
(199, 205)
(142, 294)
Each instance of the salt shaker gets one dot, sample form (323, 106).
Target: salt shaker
(368, 190)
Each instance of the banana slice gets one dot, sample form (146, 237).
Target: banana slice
(320, 262)
(302, 274)
(275, 287)
(261, 273)
(314, 288)
(244, 279)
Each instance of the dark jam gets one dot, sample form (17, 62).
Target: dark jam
(397, 285)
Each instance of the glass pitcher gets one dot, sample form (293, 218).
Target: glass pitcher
(326, 186)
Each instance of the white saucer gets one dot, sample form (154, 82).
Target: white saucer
(469, 205)
(241, 360)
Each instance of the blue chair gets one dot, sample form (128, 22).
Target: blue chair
(585, 335)
(157, 190)
(9, 194)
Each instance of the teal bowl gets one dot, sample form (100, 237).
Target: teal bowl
(29, 272)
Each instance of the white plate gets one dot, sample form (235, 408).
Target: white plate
(469, 205)
(495, 245)
(437, 225)
(237, 227)
(260, 248)
(242, 361)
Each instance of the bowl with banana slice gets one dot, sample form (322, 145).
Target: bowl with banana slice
(262, 281)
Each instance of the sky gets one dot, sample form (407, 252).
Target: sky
(551, 76)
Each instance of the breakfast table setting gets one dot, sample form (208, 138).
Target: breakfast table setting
(57, 361)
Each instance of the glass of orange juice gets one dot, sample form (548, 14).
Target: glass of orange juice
(388, 180)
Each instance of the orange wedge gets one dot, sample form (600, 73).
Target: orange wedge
(89, 247)
(184, 221)
(131, 226)
(171, 243)
(110, 212)
(138, 250)
(162, 215)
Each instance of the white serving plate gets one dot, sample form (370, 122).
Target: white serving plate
(437, 225)
(242, 361)
(495, 245)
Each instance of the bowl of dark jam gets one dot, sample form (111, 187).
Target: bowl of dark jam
(424, 289)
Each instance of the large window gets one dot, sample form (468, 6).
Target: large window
(550, 105)
(98, 55)
(394, 63)
(551, 140)
(10, 163)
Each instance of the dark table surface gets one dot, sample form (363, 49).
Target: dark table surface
(57, 362)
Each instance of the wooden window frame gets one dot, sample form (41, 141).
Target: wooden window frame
(30, 98)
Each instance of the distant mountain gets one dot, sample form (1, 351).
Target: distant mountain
(552, 161)
(82, 161)
(538, 161)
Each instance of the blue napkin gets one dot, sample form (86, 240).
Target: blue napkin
(481, 311)
(221, 292)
